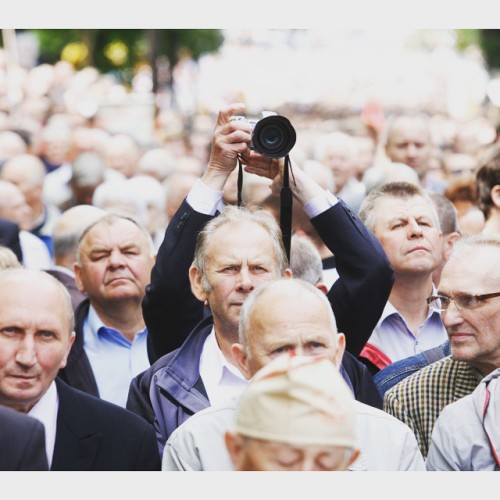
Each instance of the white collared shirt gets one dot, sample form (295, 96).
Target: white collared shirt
(46, 411)
(221, 379)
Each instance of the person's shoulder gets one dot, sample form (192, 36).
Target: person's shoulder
(97, 409)
(424, 376)
(17, 422)
(211, 419)
(379, 417)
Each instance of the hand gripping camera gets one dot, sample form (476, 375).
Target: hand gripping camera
(272, 135)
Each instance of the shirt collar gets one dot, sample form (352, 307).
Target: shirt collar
(99, 329)
(390, 310)
(45, 411)
(214, 367)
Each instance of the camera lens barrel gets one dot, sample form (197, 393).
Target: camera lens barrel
(273, 136)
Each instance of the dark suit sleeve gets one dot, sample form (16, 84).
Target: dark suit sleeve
(359, 295)
(148, 457)
(35, 457)
(22, 442)
(170, 309)
(9, 237)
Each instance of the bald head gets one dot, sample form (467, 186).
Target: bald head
(29, 283)
(286, 315)
(24, 169)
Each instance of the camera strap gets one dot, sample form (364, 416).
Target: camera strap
(286, 203)
(240, 182)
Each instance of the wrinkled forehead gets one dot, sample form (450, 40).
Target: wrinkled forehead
(473, 269)
(234, 238)
(391, 207)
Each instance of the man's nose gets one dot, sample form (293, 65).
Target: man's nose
(451, 316)
(116, 259)
(414, 228)
(411, 151)
(245, 281)
(26, 352)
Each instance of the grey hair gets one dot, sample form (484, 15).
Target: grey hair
(402, 190)
(305, 260)
(234, 215)
(111, 219)
(471, 243)
(447, 213)
(280, 285)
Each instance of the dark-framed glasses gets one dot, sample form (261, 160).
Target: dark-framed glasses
(462, 300)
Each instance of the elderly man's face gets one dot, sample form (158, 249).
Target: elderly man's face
(298, 322)
(474, 334)
(239, 258)
(35, 340)
(15, 209)
(258, 455)
(407, 231)
(116, 263)
(410, 143)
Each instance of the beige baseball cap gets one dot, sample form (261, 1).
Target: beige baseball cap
(300, 400)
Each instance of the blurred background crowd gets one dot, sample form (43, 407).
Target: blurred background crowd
(123, 119)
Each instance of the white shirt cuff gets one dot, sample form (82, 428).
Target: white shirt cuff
(204, 199)
(320, 204)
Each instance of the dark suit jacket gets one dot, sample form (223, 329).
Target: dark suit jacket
(70, 284)
(78, 372)
(94, 435)
(22, 442)
(9, 237)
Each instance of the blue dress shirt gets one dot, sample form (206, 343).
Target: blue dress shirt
(115, 360)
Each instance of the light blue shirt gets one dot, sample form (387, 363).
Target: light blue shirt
(115, 360)
(393, 337)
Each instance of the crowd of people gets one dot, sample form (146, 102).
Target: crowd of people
(151, 319)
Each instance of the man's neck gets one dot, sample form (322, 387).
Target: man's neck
(409, 296)
(226, 337)
(126, 318)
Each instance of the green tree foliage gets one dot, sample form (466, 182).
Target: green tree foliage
(121, 50)
(490, 44)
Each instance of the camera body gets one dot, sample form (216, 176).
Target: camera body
(272, 135)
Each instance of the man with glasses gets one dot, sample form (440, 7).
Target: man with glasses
(468, 298)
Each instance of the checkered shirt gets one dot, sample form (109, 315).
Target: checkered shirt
(418, 399)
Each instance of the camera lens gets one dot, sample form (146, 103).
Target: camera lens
(273, 136)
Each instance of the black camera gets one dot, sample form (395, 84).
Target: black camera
(272, 135)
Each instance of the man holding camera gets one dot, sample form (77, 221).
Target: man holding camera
(235, 252)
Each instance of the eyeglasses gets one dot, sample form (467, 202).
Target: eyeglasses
(462, 301)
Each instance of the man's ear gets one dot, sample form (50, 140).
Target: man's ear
(450, 240)
(234, 445)
(495, 195)
(196, 285)
(241, 358)
(322, 287)
(288, 273)
(340, 349)
(355, 455)
(78, 277)
(65, 358)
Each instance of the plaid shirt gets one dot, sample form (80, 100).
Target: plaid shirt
(418, 399)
